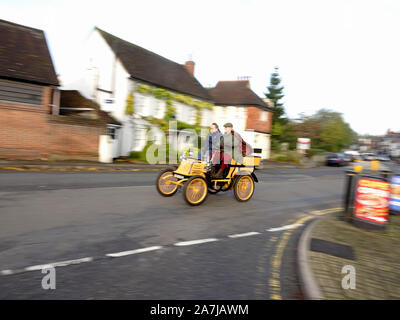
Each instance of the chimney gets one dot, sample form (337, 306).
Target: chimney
(189, 65)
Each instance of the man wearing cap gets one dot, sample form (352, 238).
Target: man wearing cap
(233, 146)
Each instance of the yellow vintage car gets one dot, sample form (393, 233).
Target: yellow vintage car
(194, 176)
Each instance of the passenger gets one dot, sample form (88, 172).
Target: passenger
(211, 144)
(231, 146)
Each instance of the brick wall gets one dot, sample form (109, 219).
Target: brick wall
(31, 132)
(253, 120)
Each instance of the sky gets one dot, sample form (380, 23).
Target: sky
(342, 55)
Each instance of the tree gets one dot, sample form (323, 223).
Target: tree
(279, 121)
(275, 93)
(327, 130)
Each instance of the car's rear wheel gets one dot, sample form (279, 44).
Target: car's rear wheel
(243, 188)
(164, 183)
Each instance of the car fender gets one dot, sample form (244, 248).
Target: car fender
(254, 177)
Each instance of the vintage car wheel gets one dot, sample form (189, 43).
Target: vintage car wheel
(163, 187)
(243, 188)
(195, 190)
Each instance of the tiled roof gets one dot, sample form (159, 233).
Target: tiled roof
(24, 54)
(233, 93)
(145, 65)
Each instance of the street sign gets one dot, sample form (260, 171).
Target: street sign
(303, 143)
(372, 201)
(395, 195)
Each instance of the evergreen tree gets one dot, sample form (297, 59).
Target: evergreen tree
(275, 93)
(279, 121)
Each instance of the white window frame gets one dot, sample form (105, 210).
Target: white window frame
(264, 116)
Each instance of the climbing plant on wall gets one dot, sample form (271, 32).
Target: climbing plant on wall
(129, 110)
(169, 97)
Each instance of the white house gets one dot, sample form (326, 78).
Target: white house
(118, 71)
(250, 115)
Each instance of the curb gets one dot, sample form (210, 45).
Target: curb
(81, 167)
(309, 284)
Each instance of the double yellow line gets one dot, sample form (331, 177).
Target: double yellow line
(276, 261)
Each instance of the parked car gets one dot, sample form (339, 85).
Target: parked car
(337, 159)
(369, 156)
(353, 155)
(383, 157)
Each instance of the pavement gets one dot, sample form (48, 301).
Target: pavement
(21, 165)
(331, 247)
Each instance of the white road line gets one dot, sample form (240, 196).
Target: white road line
(130, 252)
(239, 235)
(189, 243)
(59, 264)
(6, 272)
(290, 226)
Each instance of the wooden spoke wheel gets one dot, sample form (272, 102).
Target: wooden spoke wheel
(195, 190)
(243, 188)
(164, 185)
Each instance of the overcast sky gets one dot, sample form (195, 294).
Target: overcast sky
(340, 55)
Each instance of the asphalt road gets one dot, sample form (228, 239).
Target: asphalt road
(48, 217)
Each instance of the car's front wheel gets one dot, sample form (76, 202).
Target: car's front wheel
(195, 190)
(164, 183)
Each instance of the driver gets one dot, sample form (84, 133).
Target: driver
(231, 145)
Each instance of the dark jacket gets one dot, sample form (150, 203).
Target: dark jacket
(211, 143)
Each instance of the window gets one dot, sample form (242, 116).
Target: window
(139, 103)
(151, 106)
(19, 92)
(161, 109)
(263, 116)
(112, 132)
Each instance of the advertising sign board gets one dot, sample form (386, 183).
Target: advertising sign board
(372, 200)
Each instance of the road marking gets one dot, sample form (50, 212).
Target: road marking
(59, 264)
(6, 272)
(247, 234)
(274, 282)
(325, 211)
(288, 227)
(275, 263)
(130, 252)
(189, 243)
